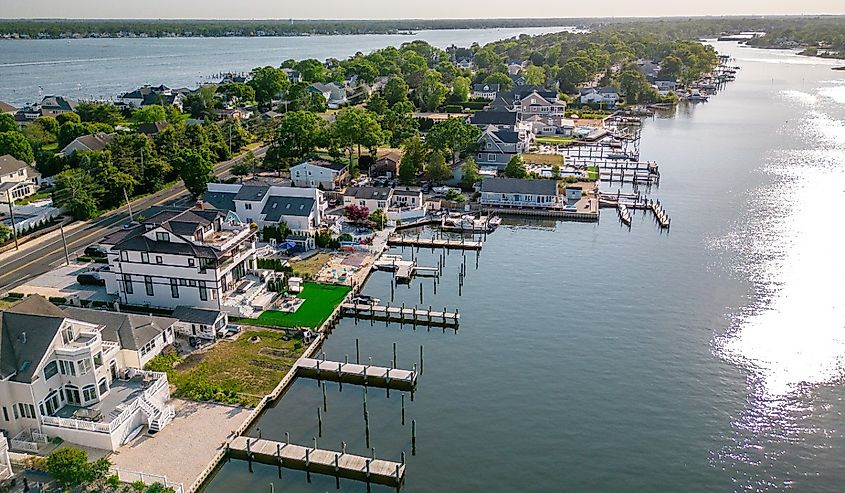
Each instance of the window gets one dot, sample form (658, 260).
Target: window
(26, 410)
(84, 366)
(98, 359)
(89, 393)
(15, 411)
(72, 394)
(5, 414)
(491, 157)
(248, 207)
(159, 260)
(160, 236)
(174, 288)
(203, 291)
(104, 386)
(50, 369)
(127, 283)
(145, 257)
(67, 368)
(192, 283)
(191, 262)
(148, 284)
(124, 256)
(148, 347)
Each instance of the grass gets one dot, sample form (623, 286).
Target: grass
(554, 139)
(320, 302)
(311, 266)
(593, 173)
(33, 198)
(543, 159)
(233, 372)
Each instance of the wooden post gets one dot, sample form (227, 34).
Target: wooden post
(307, 457)
(357, 352)
(319, 422)
(394, 355)
(403, 409)
(421, 359)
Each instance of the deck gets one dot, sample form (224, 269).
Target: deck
(402, 314)
(462, 244)
(337, 371)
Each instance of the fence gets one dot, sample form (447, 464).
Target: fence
(128, 476)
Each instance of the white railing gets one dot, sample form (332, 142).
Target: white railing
(76, 424)
(24, 445)
(127, 476)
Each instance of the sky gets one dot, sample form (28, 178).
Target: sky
(407, 9)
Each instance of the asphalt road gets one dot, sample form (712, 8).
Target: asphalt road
(35, 260)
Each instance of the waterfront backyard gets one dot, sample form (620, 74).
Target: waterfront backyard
(320, 301)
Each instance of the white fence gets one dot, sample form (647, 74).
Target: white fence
(128, 476)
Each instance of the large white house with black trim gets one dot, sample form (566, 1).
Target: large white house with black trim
(76, 375)
(268, 205)
(513, 192)
(179, 257)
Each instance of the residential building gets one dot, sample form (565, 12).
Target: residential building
(150, 129)
(665, 85)
(180, 257)
(149, 95)
(485, 91)
(649, 69)
(518, 79)
(7, 108)
(334, 94)
(604, 96)
(27, 115)
(372, 198)
(498, 120)
(56, 105)
(513, 192)
(498, 147)
(294, 76)
(320, 174)
(198, 322)
(301, 209)
(398, 204)
(17, 179)
(63, 377)
(91, 142)
(536, 105)
(386, 166)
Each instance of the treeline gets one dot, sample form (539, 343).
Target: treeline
(55, 28)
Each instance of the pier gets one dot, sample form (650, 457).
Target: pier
(402, 314)
(318, 460)
(462, 244)
(635, 201)
(376, 376)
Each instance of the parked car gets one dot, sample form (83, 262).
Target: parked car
(96, 251)
(90, 279)
(130, 225)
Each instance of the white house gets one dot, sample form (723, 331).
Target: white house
(67, 378)
(149, 95)
(372, 198)
(485, 91)
(92, 142)
(665, 86)
(268, 205)
(179, 257)
(513, 192)
(605, 96)
(17, 179)
(199, 322)
(319, 174)
(400, 203)
(56, 105)
(334, 94)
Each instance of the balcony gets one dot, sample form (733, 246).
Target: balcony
(81, 344)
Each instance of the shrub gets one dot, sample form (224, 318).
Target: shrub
(16, 296)
(57, 300)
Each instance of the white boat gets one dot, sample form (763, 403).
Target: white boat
(133, 434)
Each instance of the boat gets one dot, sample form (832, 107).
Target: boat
(133, 434)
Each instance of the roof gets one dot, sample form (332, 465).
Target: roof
(368, 193)
(222, 201)
(515, 185)
(486, 88)
(277, 207)
(28, 329)
(152, 128)
(130, 330)
(407, 192)
(181, 222)
(196, 315)
(507, 136)
(58, 103)
(325, 164)
(7, 108)
(494, 118)
(94, 142)
(252, 192)
(10, 164)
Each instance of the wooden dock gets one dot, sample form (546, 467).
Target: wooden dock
(630, 201)
(376, 376)
(590, 215)
(401, 314)
(462, 244)
(318, 460)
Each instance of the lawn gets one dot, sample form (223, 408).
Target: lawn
(593, 173)
(233, 372)
(320, 302)
(554, 139)
(310, 267)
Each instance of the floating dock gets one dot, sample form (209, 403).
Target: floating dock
(402, 314)
(318, 460)
(462, 244)
(631, 201)
(376, 376)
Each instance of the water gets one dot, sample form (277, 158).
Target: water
(594, 358)
(105, 68)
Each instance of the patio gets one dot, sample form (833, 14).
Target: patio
(121, 395)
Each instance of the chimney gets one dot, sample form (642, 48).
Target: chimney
(200, 205)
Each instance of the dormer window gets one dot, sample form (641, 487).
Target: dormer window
(162, 236)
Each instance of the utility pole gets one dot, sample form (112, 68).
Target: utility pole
(12, 214)
(128, 205)
(64, 242)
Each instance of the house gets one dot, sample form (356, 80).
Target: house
(399, 204)
(17, 179)
(56, 105)
(498, 147)
(320, 174)
(485, 91)
(141, 337)
(465, 64)
(294, 76)
(180, 257)
(91, 142)
(270, 115)
(334, 94)
(518, 79)
(534, 104)
(7, 108)
(649, 69)
(603, 96)
(386, 166)
(513, 192)
(665, 85)
(149, 95)
(301, 209)
(514, 67)
(498, 120)
(67, 378)
(150, 129)
(199, 322)
(372, 198)
(27, 115)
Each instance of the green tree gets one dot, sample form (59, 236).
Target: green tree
(399, 121)
(15, 144)
(470, 174)
(201, 103)
(364, 69)
(636, 87)
(487, 59)
(298, 136)
(173, 114)
(70, 467)
(534, 75)
(94, 112)
(453, 135)
(378, 218)
(268, 82)
(461, 87)
(8, 123)
(436, 170)
(196, 169)
(5, 233)
(504, 80)
(70, 130)
(111, 181)
(516, 168)
(312, 70)
(395, 90)
(36, 134)
(413, 161)
(134, 154)
(571, 75)
(66, 117)
(75, 192)
(237, 91)
(235, 134)
(357, 126)
(448, 71)
(377, 104)
(431, 92)
(149, 114)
